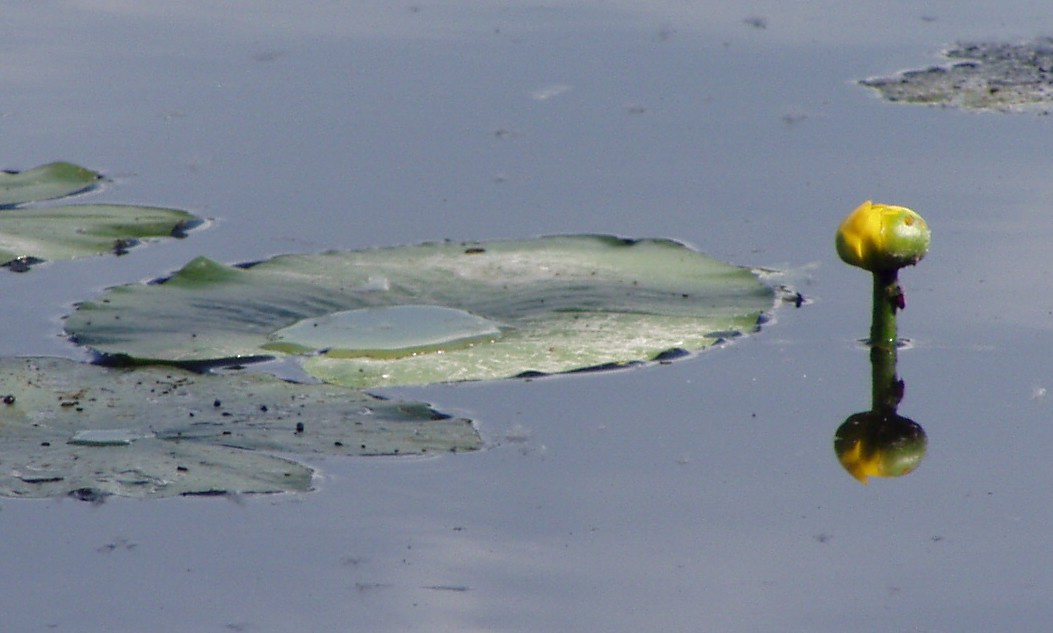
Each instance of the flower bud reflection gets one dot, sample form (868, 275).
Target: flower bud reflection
(877, 444)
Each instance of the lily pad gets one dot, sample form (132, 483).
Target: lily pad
(994, 76)
(46, 182)
(90, 431)
(81, 230)
(32, 235)
(547, 305)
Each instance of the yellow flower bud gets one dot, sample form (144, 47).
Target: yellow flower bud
(882, 237)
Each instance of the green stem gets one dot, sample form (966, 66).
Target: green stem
(886, 388)
(888, 297)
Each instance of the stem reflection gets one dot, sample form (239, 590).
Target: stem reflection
(880, 442)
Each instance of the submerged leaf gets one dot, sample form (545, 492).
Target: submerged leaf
(67, 232)
(548, 305)
(72, 428)
(47, 182)
(387, 332)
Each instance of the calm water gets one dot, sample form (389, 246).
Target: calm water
(700, 496)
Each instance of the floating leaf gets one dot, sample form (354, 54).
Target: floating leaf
(89, 431)
(548, 305)
(989, 76)
(47, 182)
(67, 232)
(30, 236)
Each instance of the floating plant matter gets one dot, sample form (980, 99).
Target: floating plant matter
(30, 235)
(435, 312)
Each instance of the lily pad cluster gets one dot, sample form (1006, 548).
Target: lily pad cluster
(30, 235)
(996, 76)
(145, 421)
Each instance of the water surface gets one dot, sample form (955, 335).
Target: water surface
(702, 495)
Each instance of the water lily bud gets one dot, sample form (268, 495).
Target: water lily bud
(880, 237)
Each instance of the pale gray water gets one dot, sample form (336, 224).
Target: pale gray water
(700, 496)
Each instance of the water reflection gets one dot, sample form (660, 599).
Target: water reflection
(880, 442)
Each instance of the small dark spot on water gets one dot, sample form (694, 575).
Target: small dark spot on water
(9, 399)
(268, 55)
(367, 586)
(756, 22)
(665, 32)
(118, 543)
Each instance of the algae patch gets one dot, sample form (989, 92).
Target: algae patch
(994, 76)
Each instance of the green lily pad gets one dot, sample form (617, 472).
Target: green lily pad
(81, 230)
(547, 305)
(31, 235)
(47, 182)
(995, 76)
(90, 431)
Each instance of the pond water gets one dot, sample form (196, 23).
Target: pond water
(702, 495)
